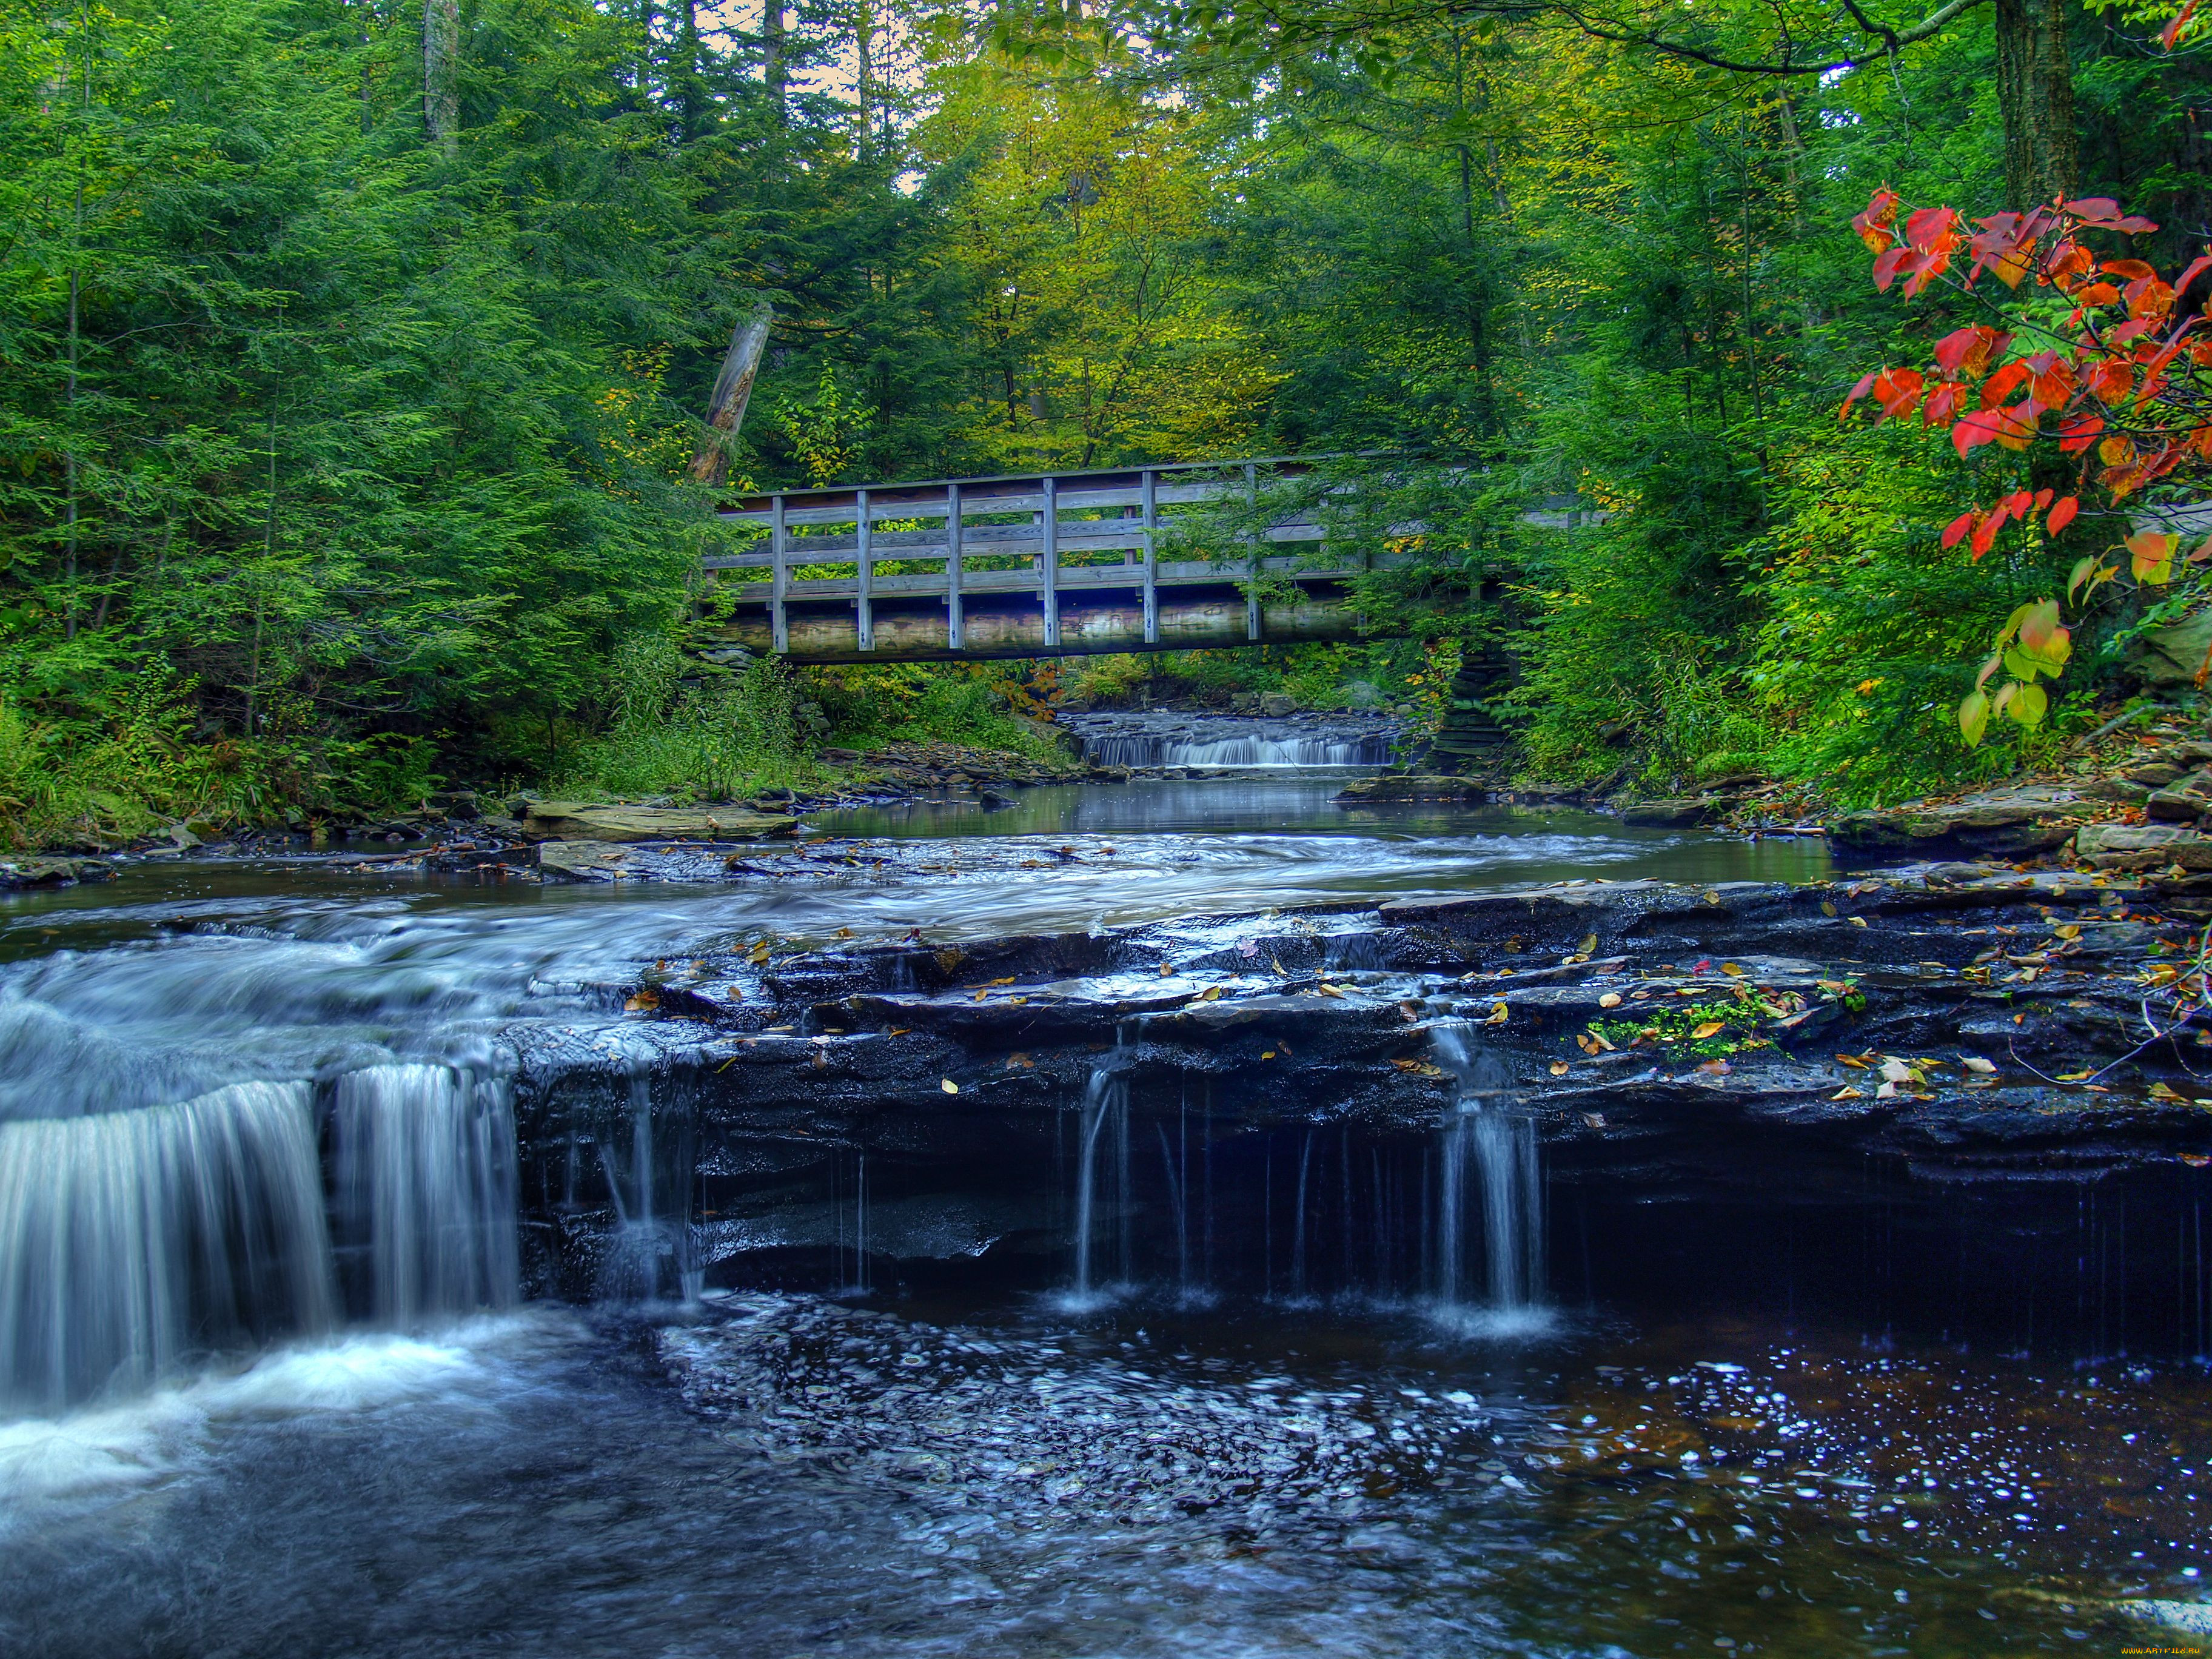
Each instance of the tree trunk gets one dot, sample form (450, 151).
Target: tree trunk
(773, 70)
(441, 98)
(734, 388)
(2035, 94)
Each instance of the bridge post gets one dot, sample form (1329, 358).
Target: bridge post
(863, 616)
(1048, 566)
(1252, 618)
(779, 584)
(1152, 557)
(955, 623)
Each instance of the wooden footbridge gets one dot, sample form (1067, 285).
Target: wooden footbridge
(1042, 564)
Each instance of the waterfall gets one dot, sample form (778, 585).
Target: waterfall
(650, 1254)
(1248, 749)
(426, 1189)
(1490, 1171)
(1105, 1119)
(128, 1240)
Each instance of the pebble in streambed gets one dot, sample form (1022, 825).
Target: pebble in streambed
(992, 1440)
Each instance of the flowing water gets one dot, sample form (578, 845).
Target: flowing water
(271, 1388)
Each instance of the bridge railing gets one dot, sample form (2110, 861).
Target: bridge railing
(1040, 534)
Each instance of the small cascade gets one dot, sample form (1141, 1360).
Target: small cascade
(652, 1252)
(1105, 1120)
(1491, 1178)
(128, 1240)
(426, 1189)
(1223, 741)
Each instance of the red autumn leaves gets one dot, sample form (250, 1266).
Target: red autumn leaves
(2103, 380)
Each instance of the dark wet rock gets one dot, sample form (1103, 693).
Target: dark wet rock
(2185, 800)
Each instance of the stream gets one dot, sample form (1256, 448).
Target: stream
(290, 1154)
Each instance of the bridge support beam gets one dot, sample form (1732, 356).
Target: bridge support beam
(1181, 624)
(1151, 509)
(955, 635)
(1048, 564)
(864, 599)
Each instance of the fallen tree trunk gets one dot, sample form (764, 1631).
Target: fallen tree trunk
(734, 388)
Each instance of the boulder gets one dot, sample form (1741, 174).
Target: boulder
(580, 861)
(2142, 846)
(2169, 657)
(53, 873)
(556, 820)
(1274, 705)
(1369, 791)
(1679, 814)
(1992, 826)
(2183, 799)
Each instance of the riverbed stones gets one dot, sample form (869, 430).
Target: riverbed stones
(2142, 846)
(2184, 800)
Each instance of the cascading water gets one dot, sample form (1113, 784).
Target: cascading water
(1490, 1173)
(425, 1158)
(128, 1240)
(1221, 741)
(1105, 1120)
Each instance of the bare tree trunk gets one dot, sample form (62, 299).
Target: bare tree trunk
(441, 98)
(2035, 95)
(774, 70)
(734, 388)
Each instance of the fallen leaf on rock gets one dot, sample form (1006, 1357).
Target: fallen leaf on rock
(1827, 907)
(2067, 930)
(1733, 970)
(1589, 946)
(948, 1085)
(1498, 1014)
(1852, 1060)
(844, 932)
(1856, 921)
(1847, 1093)
(1610, 1000)
(642, 1002)
(2076, 1076)
(1211, 993)
(1896, 1070)
(1009, 980)
(1976, 1063)
(758, 954)
(1166, 972)
(900, 1030)
(1267, 1054)
(1887, 1091)
(2164, 1091)
(1329, 991)
(1559, 1068)
(1710, 1028)
(1596, 1120)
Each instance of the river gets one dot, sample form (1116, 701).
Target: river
(357, 1437)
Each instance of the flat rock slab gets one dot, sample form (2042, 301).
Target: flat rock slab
(556, 820)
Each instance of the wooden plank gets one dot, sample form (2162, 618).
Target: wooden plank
(954, 630)
(1083, 536)
(844, 512)
(1252, 616)
(864, 586)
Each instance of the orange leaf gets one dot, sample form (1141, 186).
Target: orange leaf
(1958, 527)
(2062, 514)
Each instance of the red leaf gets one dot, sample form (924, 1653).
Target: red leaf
(1866, 384)
(1928, 228)
(1898, 391)
(2042, 499)
(2112, 380)
(1974, 431)
(1985, 535)
(1958, 527)
(2094, 209)
(2077, 432)
(1884, 268)
(2131, 268)
(1945, 399)
(2172, 31)
(1874, 224)
(2062, 514)
(1999, 386)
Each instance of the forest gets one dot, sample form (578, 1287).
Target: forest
(357, 356)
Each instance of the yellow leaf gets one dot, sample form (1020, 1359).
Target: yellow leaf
(2076, 1076)
(1211, 993)
(948, 1085)
(759, 953)
(1498, 1014)
(1610, 1000)
(1268, 1054)
(1710, 1028)
(1559, 1068)
(2067, 931)
(1853, 1062)
(1588, 945)
(1847, 1093)
(1856, 921)
(643, 1001)
(1009, 980)
(900, 1030)
(1732, 970)
(1827, 907)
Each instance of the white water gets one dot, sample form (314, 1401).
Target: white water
(1148, 749)
(425, 1158)
(1105, 1120)
(1490, 1190)
(129, 1239)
